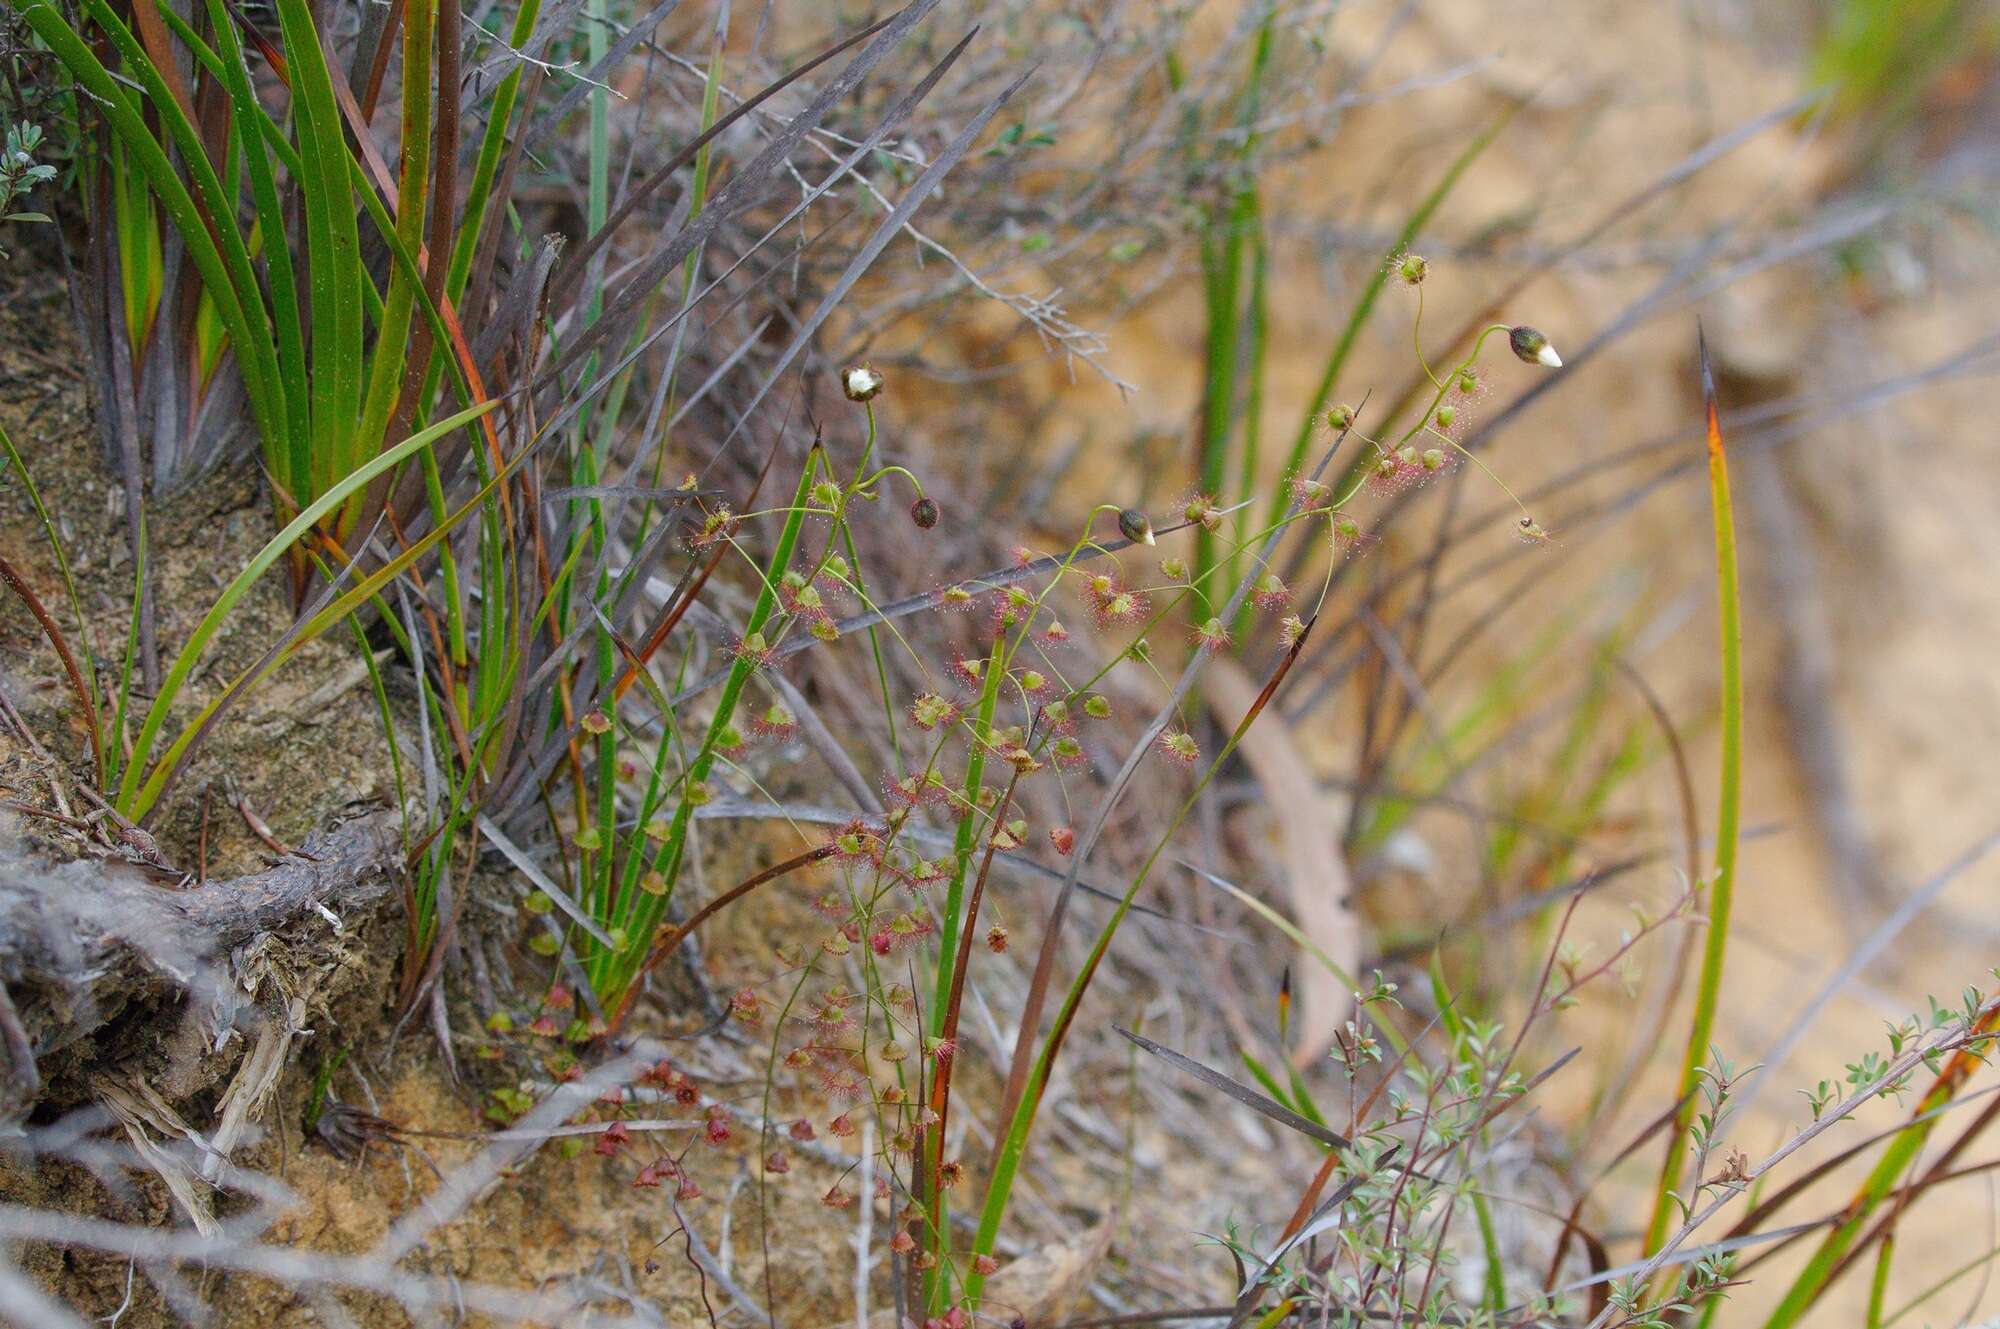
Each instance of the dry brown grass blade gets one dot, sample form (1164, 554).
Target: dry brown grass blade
(1242, 1093)
(1310, 856)
(81, 689)
(378, 66)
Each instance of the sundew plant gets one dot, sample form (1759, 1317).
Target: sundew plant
(865, 1020)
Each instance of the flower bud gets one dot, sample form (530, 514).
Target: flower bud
(1202, 509)
(924, 512)
(861, 383)
(1340, 417)
(1133, 525)
(1530, 345)
(1411, 269)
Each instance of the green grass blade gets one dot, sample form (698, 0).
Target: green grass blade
(1878, 1286)
(333, 257)
(1224, 261)
(1722, 890)
(388, 367)
(364, 591)
(1489, 1246)
(141, 259)
(1257, 332)
(130, 662)
(258, 132)
(492, 142)
(132, 800)
(1014, 1140)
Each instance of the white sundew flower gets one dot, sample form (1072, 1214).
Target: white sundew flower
(1133, 525)
(861, 383)
(1530, 345)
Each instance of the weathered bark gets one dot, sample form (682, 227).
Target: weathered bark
(111, 956)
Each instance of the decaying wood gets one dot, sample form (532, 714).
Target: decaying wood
(100, 960)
